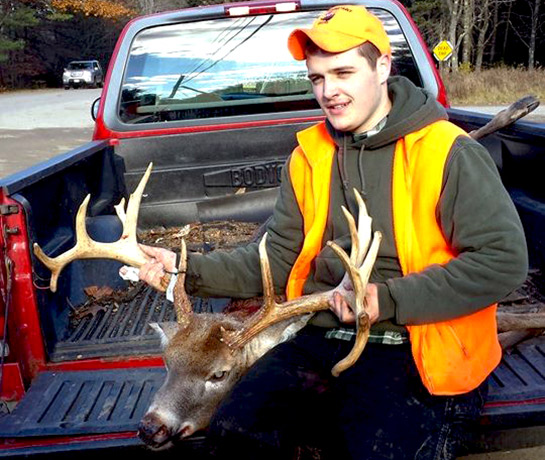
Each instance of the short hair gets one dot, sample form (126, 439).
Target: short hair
(367, 50)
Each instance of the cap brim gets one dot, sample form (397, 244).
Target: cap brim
(333, 42)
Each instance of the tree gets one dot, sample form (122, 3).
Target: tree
(431, 17)
(98, 8)
(38, 37)
(17, 18)
(467, 30)
(14, 15)
(495, 26)
(455, 8)
(532, 14)
(482, 22)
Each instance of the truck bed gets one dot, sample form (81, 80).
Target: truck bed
(80, 404)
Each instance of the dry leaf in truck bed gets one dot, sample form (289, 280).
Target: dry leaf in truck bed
(202, 237)
(98, 292)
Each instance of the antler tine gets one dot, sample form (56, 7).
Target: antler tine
(125, 249)
(357, 249)
(359, 274)
(182, 304)
(359, 278)
(364, 227)
(361, 234)
(120, 210)
(131, 218)
(266, 275)
(56, 264)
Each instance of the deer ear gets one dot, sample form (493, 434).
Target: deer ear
(166, 331)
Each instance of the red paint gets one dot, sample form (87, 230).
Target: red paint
(12, 383)
(258, 7)
(105, 363)
(526, 402)
(24, 334)
(116, 135)
(101, 132)
(20, 443)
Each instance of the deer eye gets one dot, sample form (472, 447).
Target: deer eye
(219, 375)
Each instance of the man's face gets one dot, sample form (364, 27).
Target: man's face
(352, 94)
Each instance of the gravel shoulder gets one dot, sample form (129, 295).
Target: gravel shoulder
(47, 108)
(20, 149)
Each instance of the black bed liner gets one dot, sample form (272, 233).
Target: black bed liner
(122, 328)
(518, 385)
(83, 402)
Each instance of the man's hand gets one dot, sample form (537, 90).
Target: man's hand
(344, 312)
(161, 261)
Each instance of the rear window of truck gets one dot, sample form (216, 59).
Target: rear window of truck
(228, 67)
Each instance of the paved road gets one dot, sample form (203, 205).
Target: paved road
(36, 125)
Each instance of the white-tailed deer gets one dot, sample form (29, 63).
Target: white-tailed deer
(205, 354)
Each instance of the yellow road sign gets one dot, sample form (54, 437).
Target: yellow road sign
(443, 50)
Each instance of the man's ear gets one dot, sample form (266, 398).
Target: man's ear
(384, 67)
(166, 331)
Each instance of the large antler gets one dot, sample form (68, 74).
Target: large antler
(125, 249)
(358, 269)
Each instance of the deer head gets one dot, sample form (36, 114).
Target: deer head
(201, 369)
(205, 354)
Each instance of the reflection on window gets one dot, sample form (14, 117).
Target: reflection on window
(226, 67)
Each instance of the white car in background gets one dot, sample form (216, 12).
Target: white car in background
(83, 73)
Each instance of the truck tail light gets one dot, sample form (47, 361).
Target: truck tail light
(246, 10)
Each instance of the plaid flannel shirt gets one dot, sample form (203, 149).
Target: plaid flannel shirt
(384, 337)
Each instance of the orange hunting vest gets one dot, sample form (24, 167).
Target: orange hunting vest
(452, 356)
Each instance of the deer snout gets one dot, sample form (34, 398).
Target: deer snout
(153, 430)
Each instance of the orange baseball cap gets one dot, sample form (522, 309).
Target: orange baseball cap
(339, 29)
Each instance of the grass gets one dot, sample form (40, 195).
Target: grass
(502, 85)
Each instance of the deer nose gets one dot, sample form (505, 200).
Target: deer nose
(153, 431)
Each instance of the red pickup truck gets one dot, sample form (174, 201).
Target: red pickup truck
(213, 98)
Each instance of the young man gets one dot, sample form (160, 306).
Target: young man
(452, 246)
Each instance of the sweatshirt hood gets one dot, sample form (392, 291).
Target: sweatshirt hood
(412, 109)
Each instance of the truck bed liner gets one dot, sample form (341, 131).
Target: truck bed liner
(122, 328)
(518, 386)
(83, 402)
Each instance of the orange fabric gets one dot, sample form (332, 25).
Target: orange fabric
(339, 29)
(310, 174)
(453, 356)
